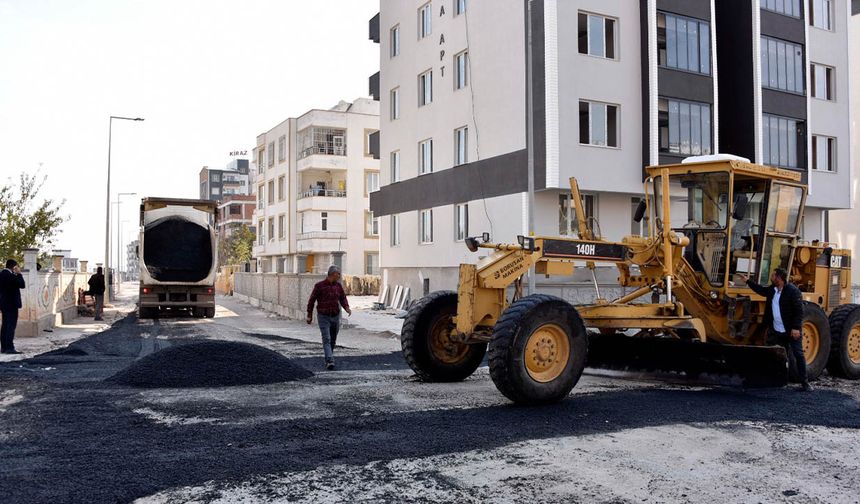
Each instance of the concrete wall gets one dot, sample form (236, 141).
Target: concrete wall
(284, 294)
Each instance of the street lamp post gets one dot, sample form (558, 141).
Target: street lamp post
(107, 194)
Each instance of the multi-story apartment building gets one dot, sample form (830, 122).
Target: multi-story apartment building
(845, 224)
(234, 211)
(314, 174)
(614, 86)
(235, 178)
(132, 261)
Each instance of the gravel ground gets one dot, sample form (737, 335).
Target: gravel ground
(368, 432)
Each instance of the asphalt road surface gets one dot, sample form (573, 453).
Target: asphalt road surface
(368, 432)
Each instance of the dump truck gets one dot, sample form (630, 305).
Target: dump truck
(178, 250)
(710, 223)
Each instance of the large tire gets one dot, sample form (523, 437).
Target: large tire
(845, 346)
(816, 343)
(538, 350)
(427, 347)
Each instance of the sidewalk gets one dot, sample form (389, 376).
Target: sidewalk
(80, 327)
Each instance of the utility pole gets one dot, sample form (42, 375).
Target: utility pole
(530, 135)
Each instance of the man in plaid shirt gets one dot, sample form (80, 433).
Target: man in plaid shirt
(329, 297)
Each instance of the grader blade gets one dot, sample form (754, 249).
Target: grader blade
(743, 365)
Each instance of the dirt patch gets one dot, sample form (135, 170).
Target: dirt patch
(210, 364)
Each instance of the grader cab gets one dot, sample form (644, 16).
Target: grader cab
(710, 224)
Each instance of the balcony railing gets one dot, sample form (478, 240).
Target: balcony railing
(327, 193)
(337, 235)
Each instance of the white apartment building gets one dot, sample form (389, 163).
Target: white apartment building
(314, 174)
(616, 85)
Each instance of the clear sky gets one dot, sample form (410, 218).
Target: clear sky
(207, 76)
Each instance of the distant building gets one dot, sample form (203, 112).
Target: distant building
(233, 211)
(314, 174)
(132, 268)
(235, 178)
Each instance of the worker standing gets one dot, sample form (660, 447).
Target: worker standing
(11, 283)
(784, 317)
(329, 296)
(97, 289)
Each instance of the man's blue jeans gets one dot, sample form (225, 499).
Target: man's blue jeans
(329, 326)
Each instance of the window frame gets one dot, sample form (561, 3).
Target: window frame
(830, 10)
(282, 188)
(394, 103)
(369, 271)
(461, 76)
(394, 166)
(829, 81)
(458, 224)
(700, 23)
(422, 232)
(606, 107)
(831, 153)
(282, 227)
(425, 20)
(394, 41)
(367, 175)
(668, 136)
(767, 140)
(323, 221)
(271, 228)
(799, 5)
(422, 166)
(394, 223)
(615, 35)
(459, 7)
(270, 189)
(461, 145)
(282, 148)
(371, 225)
(765, 71)
(425, 88)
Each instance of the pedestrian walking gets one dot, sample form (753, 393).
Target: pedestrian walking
(97, 291)
(329, 296)
(11, 283)
(784, 317)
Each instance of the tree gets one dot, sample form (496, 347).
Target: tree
(236, 249)
(26, 221)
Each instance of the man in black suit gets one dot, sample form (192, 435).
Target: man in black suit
(11, 283)
(784, 316)
(97, 289)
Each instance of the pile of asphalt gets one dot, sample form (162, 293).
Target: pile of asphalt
(210, 364)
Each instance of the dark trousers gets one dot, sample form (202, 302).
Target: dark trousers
(793, 347)
(7, 330)
(329, 327)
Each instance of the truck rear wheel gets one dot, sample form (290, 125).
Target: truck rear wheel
(816, 342)
(845, 348)
(147, 313)
(538, 350)
(427, 345)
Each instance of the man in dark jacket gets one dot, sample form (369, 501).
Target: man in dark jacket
(11, 283)
(784, 316)
(97, 290)
(329, 297)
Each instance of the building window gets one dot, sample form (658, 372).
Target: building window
(395, 103)
(598, 124)
(636, 228)
(324, 221)
(395, 166)
(425, 156)
(271, 190)
(823, 153)
(261, 237)
(282, 227)
(821, 14)
(461, 146)
(394, 41)
(781, 65)
(271, 153)
(261, 197)
(425, 88)
(683, 43)
(425, 226)
(216, 177)
(567, 214)
(261, 159)
(782, 141)
(368, 134)
(685, 127)
(317, 140)
(271, 228)
(821, 81)
(461, 70)
(282, 148)
(371, 263)
(371, 182)
(596, 35)
(371, 225)
(395, 230)
(786, 7)
(461, 222)
(459, 7)
(425, 13)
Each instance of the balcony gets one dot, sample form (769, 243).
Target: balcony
(320, 241)
(325, 162)
(319, 199)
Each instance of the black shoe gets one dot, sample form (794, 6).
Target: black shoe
(806, 387)
(329, 366)
(13, 351)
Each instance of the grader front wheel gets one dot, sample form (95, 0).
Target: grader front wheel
(816, 342)
(845, 352)
(538, 350)
(427, 345)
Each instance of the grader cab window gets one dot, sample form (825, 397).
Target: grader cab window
(746, 228)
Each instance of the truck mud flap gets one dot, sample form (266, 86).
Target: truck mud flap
(738, 365)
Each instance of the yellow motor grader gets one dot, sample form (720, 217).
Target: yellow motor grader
(711, 223)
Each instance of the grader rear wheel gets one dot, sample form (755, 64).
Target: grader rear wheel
(538, 350)
(816, 342)
(845, 351)
(427, 345)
